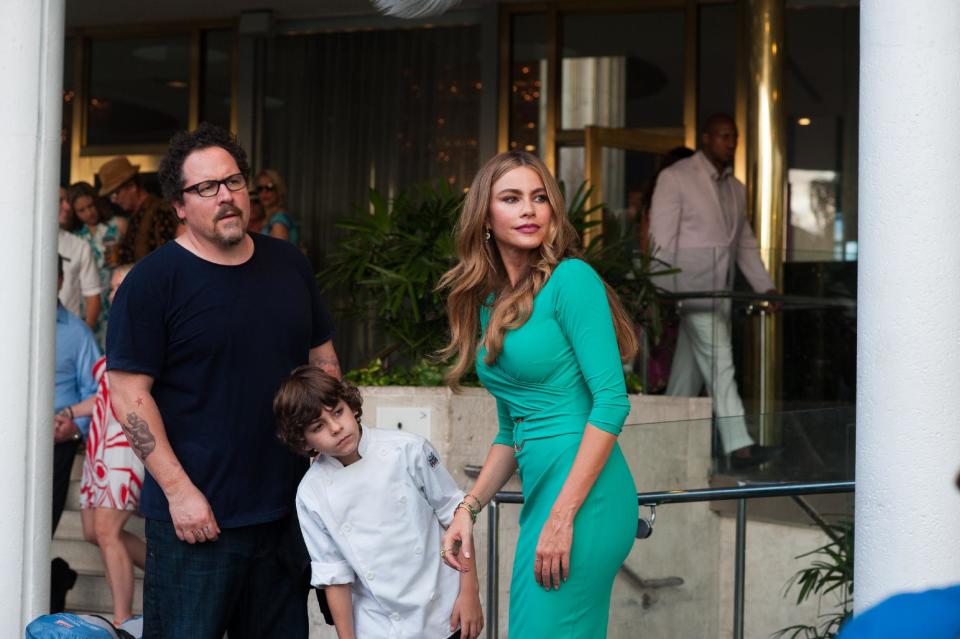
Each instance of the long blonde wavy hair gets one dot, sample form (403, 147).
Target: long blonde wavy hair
(480, 272)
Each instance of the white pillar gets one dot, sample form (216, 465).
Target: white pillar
(31, 65)
(908, 349)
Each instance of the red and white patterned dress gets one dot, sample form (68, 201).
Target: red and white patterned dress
(112, 472)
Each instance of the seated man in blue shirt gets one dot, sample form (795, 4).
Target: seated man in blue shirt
(930, 614)
(76, 353)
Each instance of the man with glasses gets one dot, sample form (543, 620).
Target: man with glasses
(152, 221)
(194, 393)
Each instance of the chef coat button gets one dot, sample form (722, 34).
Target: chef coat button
(328, 481)
(402, 499)
(395, 616)
(346, 528)
(370, 575)
(418, 550)
(382, 452)
(433, 596)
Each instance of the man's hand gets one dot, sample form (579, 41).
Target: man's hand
(192, 516)
(64, 429)
(773, 307)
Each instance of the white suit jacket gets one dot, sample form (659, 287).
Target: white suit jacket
(689, 226)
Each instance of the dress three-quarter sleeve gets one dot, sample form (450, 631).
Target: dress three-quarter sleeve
(505, 434)
(583, 312)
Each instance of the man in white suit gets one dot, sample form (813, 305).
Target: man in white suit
(698, 219)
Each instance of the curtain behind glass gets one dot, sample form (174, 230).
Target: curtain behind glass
(344, 112)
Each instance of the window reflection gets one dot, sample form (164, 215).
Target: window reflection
(138, 91)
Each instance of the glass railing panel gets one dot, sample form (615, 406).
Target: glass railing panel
(789, 350)
(797, 446)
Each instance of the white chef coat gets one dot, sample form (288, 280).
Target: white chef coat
(377, 524)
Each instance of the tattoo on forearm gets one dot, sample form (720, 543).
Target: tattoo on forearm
(326, 363)
(138, 432)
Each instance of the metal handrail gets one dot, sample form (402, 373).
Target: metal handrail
(741, 493)
(746, 296)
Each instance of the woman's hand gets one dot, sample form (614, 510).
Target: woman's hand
(458, 539)
(552, 561)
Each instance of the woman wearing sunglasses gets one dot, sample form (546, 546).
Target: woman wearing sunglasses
(272, 193)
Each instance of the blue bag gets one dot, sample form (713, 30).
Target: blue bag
(63, 625)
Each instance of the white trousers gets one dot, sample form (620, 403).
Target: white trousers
(704, 355)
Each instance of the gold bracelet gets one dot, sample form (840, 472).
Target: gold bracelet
(474, 498)
(467, 507)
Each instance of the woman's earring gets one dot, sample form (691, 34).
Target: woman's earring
(486, 234)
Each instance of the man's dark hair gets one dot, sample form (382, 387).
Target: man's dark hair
(183, 144)
(301, 399)
(716, 120)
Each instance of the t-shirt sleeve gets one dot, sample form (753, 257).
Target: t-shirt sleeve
(327, 565)
(282, 219)
(136, 332)
(505, 434)
(583, 313)
(433, 480)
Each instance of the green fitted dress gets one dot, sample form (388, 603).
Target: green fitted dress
(557, 373)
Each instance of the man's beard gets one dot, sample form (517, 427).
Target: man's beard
(234, 236)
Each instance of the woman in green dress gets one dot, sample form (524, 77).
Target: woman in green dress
(547, 336)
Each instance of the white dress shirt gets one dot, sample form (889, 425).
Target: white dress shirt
(80, 275)
(377, 524)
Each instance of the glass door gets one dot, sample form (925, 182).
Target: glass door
(621, 166)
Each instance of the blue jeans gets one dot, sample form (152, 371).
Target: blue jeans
(236, 584)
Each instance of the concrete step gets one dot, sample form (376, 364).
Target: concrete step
(91, 593)
(76, 472)
(73, 496)
(82, 556)
(71, 526)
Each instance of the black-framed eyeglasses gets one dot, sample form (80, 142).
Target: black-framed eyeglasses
(265, 187)
(209, 188)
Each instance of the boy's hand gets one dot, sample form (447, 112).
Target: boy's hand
(468, 614)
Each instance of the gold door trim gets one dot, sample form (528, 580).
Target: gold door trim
(597, 138)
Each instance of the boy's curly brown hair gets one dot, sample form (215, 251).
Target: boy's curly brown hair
(303, 396)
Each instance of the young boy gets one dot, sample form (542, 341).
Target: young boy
(372, 508)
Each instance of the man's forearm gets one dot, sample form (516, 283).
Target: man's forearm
(325, 357)
(143, 426)
(92, 305)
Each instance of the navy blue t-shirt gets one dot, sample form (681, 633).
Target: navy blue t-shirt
(218, 341)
